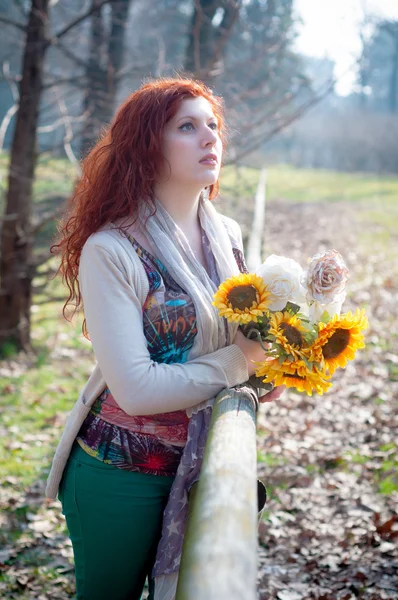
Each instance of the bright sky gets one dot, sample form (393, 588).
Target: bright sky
(330, 28)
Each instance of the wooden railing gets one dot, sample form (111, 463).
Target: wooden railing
(219, 557)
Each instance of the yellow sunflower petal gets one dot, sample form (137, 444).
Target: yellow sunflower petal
(232, 294)
(294, 375)
(288, 330)
(339, 340)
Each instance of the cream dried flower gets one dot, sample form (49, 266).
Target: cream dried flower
(326, 277)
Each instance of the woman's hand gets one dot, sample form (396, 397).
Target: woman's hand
(254, 352)
(273, 394)
(251, 349)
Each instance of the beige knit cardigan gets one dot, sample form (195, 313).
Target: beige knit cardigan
(114, 286)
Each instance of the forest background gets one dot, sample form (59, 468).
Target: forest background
(331, 163)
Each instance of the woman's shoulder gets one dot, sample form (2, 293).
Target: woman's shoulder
(107, 253)
(107, 237)
(112, 247)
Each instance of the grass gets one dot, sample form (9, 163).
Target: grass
(270, 460)
(46, 386)
(36, 393)
(308, 185)
(55, 177)
(50, 385)
(378, 193)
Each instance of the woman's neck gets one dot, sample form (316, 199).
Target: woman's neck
(181, 204)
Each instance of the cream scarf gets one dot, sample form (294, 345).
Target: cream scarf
(212, 333)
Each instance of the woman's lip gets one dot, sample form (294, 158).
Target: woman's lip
(209, 161)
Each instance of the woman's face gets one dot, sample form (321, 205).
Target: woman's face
(190, 136)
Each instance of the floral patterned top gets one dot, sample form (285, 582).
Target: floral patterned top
(152, 444)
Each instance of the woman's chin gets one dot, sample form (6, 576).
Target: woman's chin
(211, 179)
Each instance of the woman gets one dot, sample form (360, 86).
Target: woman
(144, 251)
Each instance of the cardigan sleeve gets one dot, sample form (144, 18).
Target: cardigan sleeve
(140, 385)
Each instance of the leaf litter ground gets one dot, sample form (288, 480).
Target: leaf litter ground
(330, 526)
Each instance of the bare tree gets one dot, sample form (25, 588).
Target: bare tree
(17, 235)
(16, 239)
(391, 29)
(207, 41)
(104, 64)
(242, 49)
(378, 65)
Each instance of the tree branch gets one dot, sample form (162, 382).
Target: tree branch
(50, 215)
(14, 108)
(78, 61)
(40, 259)
(265, 137)
(61, 121)
(8, 21)
(6, 121)
(77, 80)
(78, 20)
(223, 32)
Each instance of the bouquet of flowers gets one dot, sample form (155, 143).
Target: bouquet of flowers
(297, 315)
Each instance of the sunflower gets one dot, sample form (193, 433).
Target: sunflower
(294, 374)
(288, 331)
(242, 298)
(339, 340)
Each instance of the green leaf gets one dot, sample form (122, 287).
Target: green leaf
(310, 337)
(307, 363)
(325, 318)
(292, 308)
(303, 318)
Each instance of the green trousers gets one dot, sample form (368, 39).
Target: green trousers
(114, 518)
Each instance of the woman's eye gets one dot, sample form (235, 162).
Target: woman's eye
(213, 126)
(185, 125)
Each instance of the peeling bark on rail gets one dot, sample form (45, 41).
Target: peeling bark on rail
(219, 558)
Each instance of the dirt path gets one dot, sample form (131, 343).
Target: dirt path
(328, 532)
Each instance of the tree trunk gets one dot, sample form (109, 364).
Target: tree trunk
(394, 77)
(206, 42)
(16, 262)
(200, 39)
(104, 64)
(95, 75)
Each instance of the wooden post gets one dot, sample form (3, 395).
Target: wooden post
(219, 556)
(256, 238)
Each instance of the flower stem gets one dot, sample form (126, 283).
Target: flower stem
(257, 335)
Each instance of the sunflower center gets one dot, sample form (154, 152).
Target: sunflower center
(242, 296)
(294, 376)
(336, 344)
(292, 334)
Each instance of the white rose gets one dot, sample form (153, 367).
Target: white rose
(282, 276)
(317, 309)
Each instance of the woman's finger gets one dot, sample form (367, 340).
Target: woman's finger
(273, 394)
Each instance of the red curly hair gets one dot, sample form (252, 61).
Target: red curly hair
(120, 171)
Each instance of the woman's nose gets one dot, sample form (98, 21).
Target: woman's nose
(210, 137)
